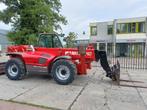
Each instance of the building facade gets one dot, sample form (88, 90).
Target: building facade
(3, 40)
(120, 37)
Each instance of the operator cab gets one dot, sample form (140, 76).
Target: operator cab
(50, 40)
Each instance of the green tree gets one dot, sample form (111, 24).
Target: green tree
(30, 17)
(70, 39)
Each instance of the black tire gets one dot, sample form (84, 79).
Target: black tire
(63, 71)
(15, 69)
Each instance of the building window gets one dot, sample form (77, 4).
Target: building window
(93, 30)
(138, 27)
(102, 46)
(110, 29)
(141, 27)
(110, 49)
(129, 28)
(133, 28)
(118, 28)
(122, 28)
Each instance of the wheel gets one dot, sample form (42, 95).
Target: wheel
(63, 71)
(15, 69)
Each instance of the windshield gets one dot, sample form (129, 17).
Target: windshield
(51, 41)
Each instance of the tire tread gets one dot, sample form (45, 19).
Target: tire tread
(22, 71)
(72, 68)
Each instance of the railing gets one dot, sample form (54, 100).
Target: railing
(129, 62)
(130, 56)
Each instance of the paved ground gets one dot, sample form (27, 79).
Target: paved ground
(5, 105)
(91, 92)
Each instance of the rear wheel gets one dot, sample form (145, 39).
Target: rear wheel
(15, 69)
(63, 71)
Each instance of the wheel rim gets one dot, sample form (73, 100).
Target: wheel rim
(62, 72)
(13, 70)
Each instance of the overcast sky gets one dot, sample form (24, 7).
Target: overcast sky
(80, 13)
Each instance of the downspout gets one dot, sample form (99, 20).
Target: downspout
(114, 37)
(146, 37)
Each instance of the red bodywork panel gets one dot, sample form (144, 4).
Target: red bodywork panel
(43, 57)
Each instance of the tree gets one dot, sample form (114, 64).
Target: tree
(31, 17)
(70, 39)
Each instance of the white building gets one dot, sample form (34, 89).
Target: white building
(120, 37)
(3, 40)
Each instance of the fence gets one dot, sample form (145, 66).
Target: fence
(130, 56)
(130, 63)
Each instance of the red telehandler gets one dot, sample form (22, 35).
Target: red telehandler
(50, 57)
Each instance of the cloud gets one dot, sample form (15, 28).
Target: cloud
(2, 6)
(80, 13)
(140, 12)
(4, 26)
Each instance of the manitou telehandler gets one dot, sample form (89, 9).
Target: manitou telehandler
(51, 57)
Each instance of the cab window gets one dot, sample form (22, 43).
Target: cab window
(57, 42)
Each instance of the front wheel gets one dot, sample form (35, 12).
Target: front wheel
(15, 69)
(63, 71)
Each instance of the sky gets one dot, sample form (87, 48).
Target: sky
(80, 13)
